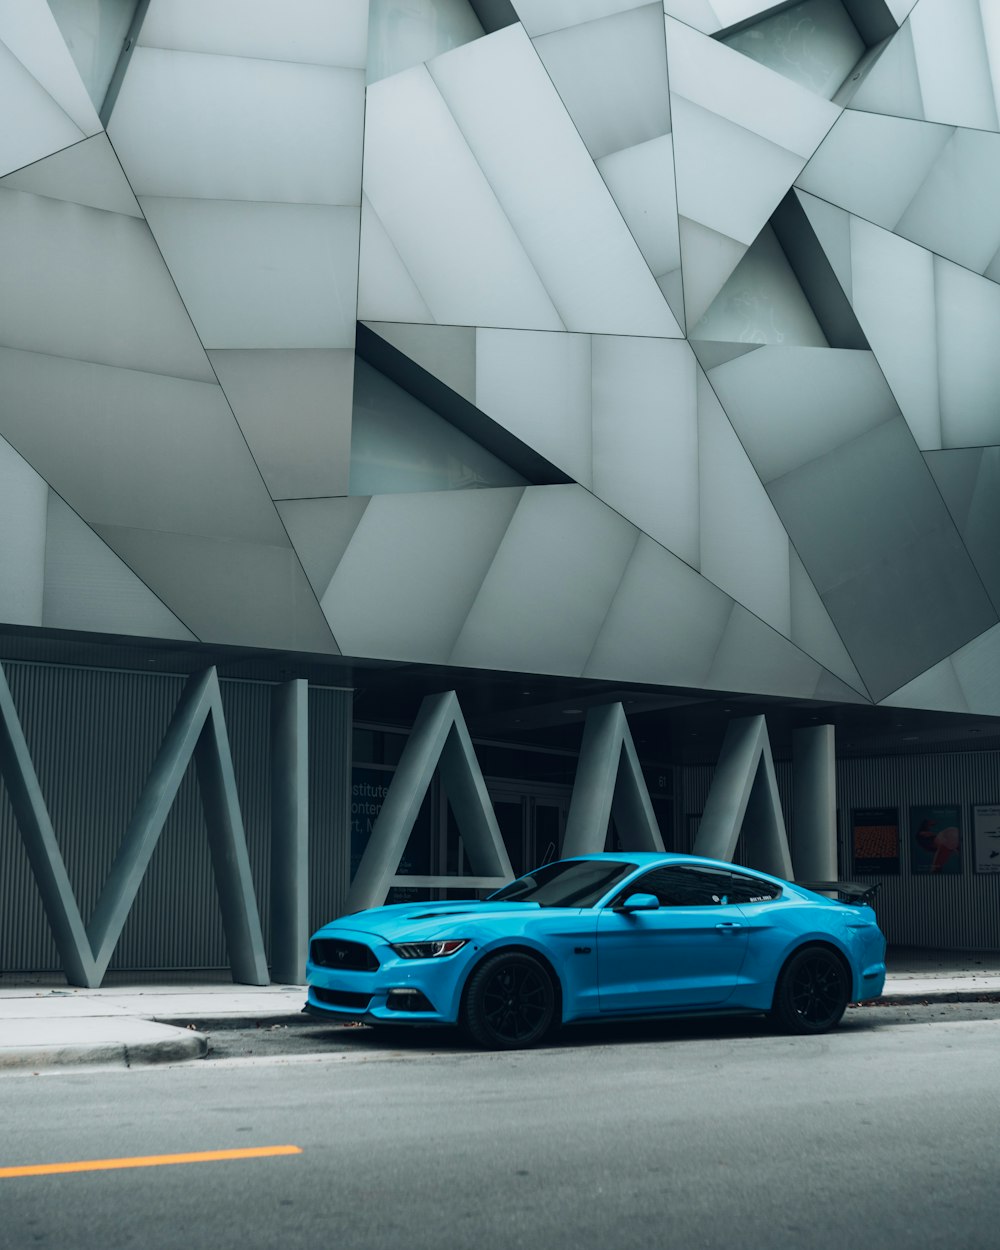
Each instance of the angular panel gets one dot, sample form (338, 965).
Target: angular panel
(932, 325)
(87, 173)
(814, 43)
(88, 587)
(95, 35)
(969, 482)
(664, 624)
(611, 75)
(696, 13)
(308, 31)
(744, 547)
(894, 297)
(940, 36)
(23, 508)
(29, 31)
(641, 182)
(294, 408)
(884, 555)
(240, 594)
(564, 554)
(539, 17)
(92, 285)
(42, 126)
(385, 287)
(955, 211)
(728, 178)
(538, 387)
(135, 449)
(874, 166)
(708, 258)
(753, 657)
(711, 76)
(441, 216)
(532, 156)
(399, 444)
(791, 405)
(262, 275)
(762, 302)
(320, 531)
(968, 681)
(402, 33)
(968, 320)
(410, 574)
(813, 631)
(646, 437)
(832, 227)
(446, 352)
(239, 129)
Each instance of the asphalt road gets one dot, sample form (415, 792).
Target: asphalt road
(685, 1135)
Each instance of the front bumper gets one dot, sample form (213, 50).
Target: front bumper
(398, 991)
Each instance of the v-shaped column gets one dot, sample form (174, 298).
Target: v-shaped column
(744, 797)
(609, 782)
(439, 738)
(197, 729)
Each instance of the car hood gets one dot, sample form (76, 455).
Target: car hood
(423, 920)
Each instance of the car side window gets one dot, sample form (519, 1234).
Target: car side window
(745, 889)
(677, 886)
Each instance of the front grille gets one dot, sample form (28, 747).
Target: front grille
(342, 998)
(333, 953)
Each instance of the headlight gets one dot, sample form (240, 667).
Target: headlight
(428, 950)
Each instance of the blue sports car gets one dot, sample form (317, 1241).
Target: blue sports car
(602, 937)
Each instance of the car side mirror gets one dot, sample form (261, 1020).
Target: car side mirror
(640, 902)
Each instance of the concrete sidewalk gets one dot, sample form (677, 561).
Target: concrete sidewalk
(45, 1027)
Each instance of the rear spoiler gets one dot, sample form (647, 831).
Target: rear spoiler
(846, 891)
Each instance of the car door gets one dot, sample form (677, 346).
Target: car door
(687, 952)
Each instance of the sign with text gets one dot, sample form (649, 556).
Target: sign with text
(369, 786)
(986, 832)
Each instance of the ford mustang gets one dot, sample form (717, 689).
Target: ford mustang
(600, 937)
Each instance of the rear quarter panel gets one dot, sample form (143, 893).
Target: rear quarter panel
(777, 930)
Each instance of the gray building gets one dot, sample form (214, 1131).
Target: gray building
(435, 433)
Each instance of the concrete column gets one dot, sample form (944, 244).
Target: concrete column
(289, 831)
(814, 804)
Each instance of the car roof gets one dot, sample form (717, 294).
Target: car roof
(647, 859)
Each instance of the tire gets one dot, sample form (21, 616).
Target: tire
(813, 991)
(510, 1002)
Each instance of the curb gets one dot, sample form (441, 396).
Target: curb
(187, 1045)
(894, 999)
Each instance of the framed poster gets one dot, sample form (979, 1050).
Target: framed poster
(986, 835)
(936, 840)
(875, 840)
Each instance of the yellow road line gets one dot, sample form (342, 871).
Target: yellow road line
(150, 1161)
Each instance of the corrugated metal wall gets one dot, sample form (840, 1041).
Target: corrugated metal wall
(946, 912)
(93, 737)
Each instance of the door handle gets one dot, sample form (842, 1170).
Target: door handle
(729, 926)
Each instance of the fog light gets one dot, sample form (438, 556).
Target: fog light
(407, 1000)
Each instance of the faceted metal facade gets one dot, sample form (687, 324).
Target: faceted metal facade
(645, 342)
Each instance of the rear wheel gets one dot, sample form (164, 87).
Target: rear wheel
(813, 991)
(509, 1003)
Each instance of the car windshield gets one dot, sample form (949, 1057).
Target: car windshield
(568, 883)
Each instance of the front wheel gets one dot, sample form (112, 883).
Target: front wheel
(509, 1003)
(813, 992)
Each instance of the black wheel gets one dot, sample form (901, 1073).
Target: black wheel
(813, 991)
(510, 1002)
